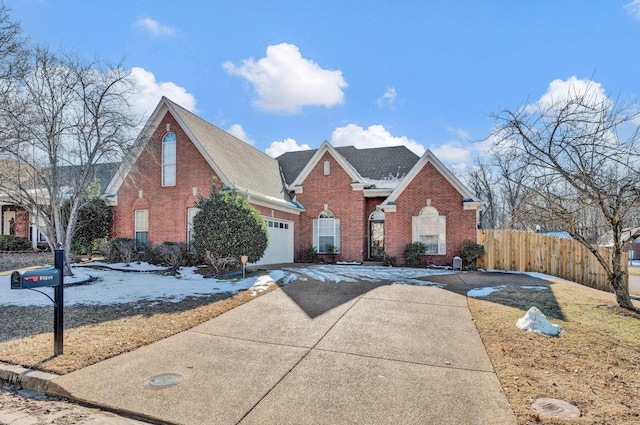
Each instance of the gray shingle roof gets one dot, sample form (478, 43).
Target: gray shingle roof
(373, 163)
(244, 166)
(104, 172)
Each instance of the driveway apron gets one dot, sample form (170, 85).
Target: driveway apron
(311, 353)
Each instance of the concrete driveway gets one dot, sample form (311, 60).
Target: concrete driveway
(311, 353)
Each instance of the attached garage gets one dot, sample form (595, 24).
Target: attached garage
(280, 248)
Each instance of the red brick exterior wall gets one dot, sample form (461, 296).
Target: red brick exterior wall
(347, 204)
(429, 184)
(168, 205)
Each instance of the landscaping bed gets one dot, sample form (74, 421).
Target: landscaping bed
(17, 260)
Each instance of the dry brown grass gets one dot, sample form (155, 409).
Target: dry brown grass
(96, 333)
(594, 364)
(635, 270)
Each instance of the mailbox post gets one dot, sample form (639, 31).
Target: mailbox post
(31, 279)
(58, 305)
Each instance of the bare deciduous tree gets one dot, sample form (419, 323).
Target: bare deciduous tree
(13, 52)
(581, 155)
(61, 118)
(481, 180)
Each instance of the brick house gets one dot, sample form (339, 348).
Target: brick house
(15, 220)
(364, 202)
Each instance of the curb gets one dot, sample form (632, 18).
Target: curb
(29, 379)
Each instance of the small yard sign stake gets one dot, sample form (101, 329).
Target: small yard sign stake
(244, 259)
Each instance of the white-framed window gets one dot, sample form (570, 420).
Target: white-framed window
(326, 232)
(327, 168)
(169, 159)
(430, 229)
(141, 228)
(191, 212)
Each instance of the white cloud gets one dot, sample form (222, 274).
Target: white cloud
(149, 92)
(388, 99)
(461, 133)
(559, 91)
(633, 8)
(154, 27)
(284, 81)
(453, 153)
(375, 136)
(238, 131)
(287, 145)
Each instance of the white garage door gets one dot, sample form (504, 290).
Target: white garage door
(280, 248)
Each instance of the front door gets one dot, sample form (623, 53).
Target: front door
(376, 239)
(9, 224)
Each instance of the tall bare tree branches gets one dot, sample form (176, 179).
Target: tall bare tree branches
(581, 158)
(63, 114)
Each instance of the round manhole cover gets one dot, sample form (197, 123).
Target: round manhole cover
(555, 408)
(165, 380)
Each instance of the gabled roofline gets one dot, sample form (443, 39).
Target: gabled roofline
(165, 105)
(429, 157)
(324, 148)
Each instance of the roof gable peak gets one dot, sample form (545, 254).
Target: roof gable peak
(326, 147)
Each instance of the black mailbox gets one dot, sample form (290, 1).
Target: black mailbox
(36, 278)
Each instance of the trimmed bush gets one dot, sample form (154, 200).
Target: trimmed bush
(413, 254)
(121, 250)
(331, 253)
(172, 254)
(471, 251)
(390, 261)
(94, 221)
(310, 255)
(14, 243)
(227, 227)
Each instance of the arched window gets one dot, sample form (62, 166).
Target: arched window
(326, 232)
(431, 229)
(169, 159)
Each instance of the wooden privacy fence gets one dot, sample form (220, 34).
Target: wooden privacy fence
(524, 251)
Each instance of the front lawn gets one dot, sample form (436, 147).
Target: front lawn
(594, 364)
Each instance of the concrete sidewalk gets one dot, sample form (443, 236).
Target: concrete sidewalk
(311, 353)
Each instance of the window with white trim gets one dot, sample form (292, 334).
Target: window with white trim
(191, 213)
(326, 231)
(430, 229)
(141, 228)
(169, 159)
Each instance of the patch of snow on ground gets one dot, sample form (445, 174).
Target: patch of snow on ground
(189, 273)
(262, 284)
(117, 287)
(539, 288)
(107, 287)
(481, 292)
(335, 273)
(535, 321)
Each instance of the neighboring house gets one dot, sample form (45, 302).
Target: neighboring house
(631, 238)
(366, 203)
(15, 220)
(632, 245)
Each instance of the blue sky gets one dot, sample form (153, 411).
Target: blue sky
(290, 74)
